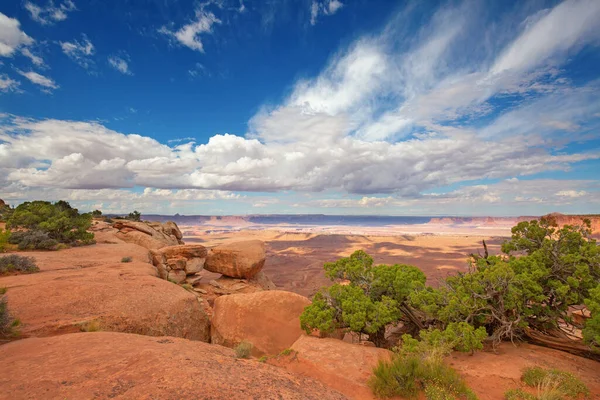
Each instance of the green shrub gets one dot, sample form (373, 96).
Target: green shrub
(263, 359)
(14, 263)
(591, 331)
(126, 259)
(286, 352)
(33, 240)
(549, 381)
(518, 394)
(243, 350)
(8, 325)
(96, 214)
(418, 367)
(59, 221)
(134, 216)
(4, 240)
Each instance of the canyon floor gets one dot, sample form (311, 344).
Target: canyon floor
(295, 260)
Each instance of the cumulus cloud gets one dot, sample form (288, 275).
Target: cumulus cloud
(47, 83)
(389, 121)
(11, 36)
(120, 64)
(79, 51)
(50, 14)
(189, 35)
(327, 7)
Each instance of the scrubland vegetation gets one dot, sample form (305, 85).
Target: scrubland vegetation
(41, 225)
(543, 271)
(8, 325)
(14, 263)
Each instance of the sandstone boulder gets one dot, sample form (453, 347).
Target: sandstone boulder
(113, 296)
(107, 365)
(237, 260)
(151, 235)
(340, 365)
(268, 319)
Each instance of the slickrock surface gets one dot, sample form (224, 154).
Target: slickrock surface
(105, 365)
(269, 320)
(343, 366)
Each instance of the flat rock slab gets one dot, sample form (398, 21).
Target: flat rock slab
(105, 365)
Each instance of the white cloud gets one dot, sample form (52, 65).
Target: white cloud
(120, 64)
(11, 36)
(571, 193)
(37, 60)
(326, 7)
(40, 80)
(190, 34)
(390, 120)
(50, 13)
(568, 26)
(80, 52)
(7, 84)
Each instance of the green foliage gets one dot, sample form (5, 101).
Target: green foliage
(371, 298)
(59, 221)
(243, 350)
(553, 270)
(4, 240)
(5, 212)
(554, 382)
(96, 214)
(419, 366)
(591, 331)
(126, 259)
(17, 264)
(8, 325)
(286, 352)
(263, 359)
(134, 216)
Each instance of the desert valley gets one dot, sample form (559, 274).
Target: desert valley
(132, 315)
(300, 199)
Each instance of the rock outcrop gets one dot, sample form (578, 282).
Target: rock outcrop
(123, 297)
(175, 263)
(105, 365)
(151, 235)
(340, 365)
(237, 260)
(269, 320)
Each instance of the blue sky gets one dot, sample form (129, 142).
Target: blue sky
(317, 106)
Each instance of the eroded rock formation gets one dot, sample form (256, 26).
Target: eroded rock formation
(151, 235)
(176, 263)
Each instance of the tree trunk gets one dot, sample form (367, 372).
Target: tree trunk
(378, 338)
(576, 347)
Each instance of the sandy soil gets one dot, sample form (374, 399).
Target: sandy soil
(295, 260)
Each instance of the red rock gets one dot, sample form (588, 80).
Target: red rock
(105, 365)
(269, 320)
(237, 260)
(342, 366)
